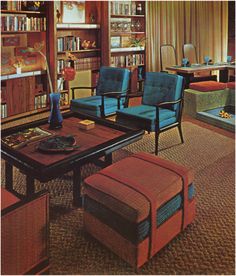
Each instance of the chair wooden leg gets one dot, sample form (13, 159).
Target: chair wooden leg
(180, 133)
(156, 142)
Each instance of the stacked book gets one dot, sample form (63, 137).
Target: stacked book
(68, 43)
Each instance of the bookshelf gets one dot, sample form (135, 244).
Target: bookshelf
(81, 39)
(24, 86)
(124, 38)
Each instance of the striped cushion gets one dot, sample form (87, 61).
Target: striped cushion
(135, 233)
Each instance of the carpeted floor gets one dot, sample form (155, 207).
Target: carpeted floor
(206, 247)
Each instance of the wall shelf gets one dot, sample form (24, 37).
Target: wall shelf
(128, 49)
(77, 26)
(23, 75)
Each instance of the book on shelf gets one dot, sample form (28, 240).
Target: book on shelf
(3, 110)
(127, 60)
(11, 5)
(40, 101)
(68, 43)
(91, 63)
(22, 138)
(20, 22)
(122, 8)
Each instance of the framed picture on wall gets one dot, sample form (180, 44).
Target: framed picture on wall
(73, 11)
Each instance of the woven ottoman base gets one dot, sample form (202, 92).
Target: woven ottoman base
(137, 205)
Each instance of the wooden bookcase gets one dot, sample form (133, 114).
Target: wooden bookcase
(124, 36)
(26, 91)
(81, 39)
(62, 32)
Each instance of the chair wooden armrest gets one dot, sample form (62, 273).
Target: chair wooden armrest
(25, 226)
(82, 87)
(117, 95)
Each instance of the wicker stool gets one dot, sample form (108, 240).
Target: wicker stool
(137, 205)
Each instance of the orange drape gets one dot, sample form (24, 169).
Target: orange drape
(202, 23)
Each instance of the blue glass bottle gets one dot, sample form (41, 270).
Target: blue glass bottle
(55, 119)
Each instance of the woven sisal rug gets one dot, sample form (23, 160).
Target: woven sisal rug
(206, 247)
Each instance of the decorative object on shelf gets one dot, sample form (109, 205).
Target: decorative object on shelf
(138, 26)
(140, 72)
(139, 10)
(85, 44)
(58, 14)
(73, 11)
(92, 18)
(133, 8)
(229, 59)
(33, 5)
(137, 42)
(18, 63)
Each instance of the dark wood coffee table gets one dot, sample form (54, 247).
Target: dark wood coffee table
(101, 141)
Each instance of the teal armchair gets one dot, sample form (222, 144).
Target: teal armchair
(161, 107)
(113, 84)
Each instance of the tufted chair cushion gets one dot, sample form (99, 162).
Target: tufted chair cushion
(113, 79)
(162, 87)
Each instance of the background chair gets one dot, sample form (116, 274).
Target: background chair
(167, 57)
(113, 84)
(190, 52)
(161, 107)
(24, 234)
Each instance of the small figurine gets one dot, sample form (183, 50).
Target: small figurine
(93, 45)
(85, 44)
(58, 16)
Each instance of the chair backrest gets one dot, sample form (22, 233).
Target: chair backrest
(167, 56)
(162, 87)
(112, 79)
(189, 51)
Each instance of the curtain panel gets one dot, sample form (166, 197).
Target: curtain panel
(202, 23)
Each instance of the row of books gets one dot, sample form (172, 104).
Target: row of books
(11, 23)
(68, 43)
(3, 110)
(127, 60)
(91, 63)
(40, 101)
(123, 7)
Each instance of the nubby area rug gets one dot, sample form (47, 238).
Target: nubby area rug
(207, 246)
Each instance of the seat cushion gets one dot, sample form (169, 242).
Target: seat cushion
(231, 85)
(91, 105)
(144, 116)
(129, 203)
(205, 86)
(7, 198)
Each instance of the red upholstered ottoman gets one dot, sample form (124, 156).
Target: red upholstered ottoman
(206, 86)
(137, 205)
